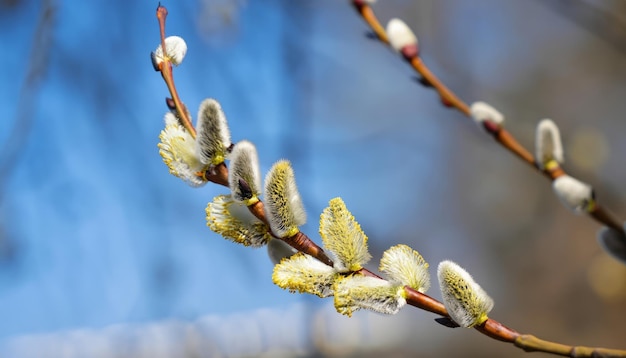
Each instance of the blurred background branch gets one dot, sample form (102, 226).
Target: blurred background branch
(38, 62)
(17, 137)
(604, 19)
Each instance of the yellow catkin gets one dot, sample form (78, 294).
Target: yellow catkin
(343, 236)
(404, 265)
(176, 147)
(357, 292)
(466, 302)
(220, 219)
(283, 206)
(305, 274)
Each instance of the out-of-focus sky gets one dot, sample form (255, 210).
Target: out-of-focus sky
(99, 242)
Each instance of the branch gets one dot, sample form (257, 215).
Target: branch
(165, 67)
(411, 54)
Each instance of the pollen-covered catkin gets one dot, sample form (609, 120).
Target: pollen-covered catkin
(467, 303)
(283, 205)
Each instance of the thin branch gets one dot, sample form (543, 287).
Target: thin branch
(165, 67)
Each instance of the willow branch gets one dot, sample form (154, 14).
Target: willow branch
(165, 67)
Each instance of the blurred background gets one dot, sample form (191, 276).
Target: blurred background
(104, 254)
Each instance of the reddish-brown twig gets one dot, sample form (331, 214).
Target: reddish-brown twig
(165, 67)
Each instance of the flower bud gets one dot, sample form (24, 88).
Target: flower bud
(305, 274)
(283, 205)
(244, 178)
(213, 135)
(234, 222)
(548, 146)
(406, 266)
(177, 148)
(481, 112)
(342, 235)
(574, 194)
(175, 48)
(466, 302)
(357, 292)
(400, 35)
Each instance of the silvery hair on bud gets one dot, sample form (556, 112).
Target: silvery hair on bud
(548, 143)
(466, 302)
(482, 112)
(573, 193)
(176, 49)
(283, 206)
(244, 165)
(213, 135)
(400, 35)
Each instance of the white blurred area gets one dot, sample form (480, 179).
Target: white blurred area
(262, 333)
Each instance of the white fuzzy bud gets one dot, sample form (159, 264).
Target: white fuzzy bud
(481, 112)
(176, 49)
(245, 177)
(213, 135)
(548, 143)
(613, 242)
(574, 194)
(400, 35)
(466, 302)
